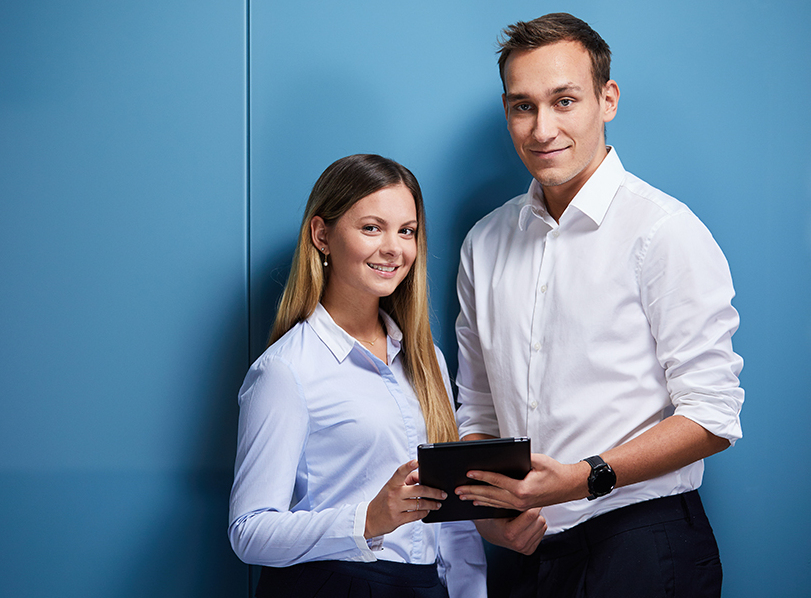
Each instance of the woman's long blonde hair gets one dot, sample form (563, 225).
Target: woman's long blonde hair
(339, 187)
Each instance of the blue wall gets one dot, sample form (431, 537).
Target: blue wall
(154, 161)
(123, 304)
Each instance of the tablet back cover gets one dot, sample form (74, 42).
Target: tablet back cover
(444, 465)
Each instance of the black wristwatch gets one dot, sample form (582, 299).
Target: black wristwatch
(602, 478)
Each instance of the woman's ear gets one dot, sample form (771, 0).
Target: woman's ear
(318, 233)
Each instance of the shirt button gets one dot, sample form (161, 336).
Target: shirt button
(555, 234)
(543, 289)
(533, 404)
(537, 346)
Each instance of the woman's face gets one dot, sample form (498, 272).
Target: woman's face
(372, 246)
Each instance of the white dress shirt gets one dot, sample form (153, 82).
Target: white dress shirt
(323, 425)
(584, 334)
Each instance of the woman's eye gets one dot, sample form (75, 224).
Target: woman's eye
(409, 232)
(370, 228)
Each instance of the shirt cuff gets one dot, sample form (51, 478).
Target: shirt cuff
(365, 546)
(375, 544)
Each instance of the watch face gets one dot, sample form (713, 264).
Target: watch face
(604, 480)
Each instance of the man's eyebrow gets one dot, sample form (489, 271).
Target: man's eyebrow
(569, 87)
(566, 88)
(512, 97)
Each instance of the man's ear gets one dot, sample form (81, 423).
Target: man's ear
(611, 99)
(506, 107)
(318, 233)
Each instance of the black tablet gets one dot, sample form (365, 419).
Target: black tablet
(444, 465)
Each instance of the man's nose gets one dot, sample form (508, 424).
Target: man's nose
(544, 128)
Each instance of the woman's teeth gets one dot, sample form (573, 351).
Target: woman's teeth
(382, 268)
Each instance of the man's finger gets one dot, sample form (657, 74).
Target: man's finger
(488, 496)
(494, 479)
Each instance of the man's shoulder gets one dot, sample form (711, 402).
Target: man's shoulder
(502, 219)
(639, 194)
(649, 211)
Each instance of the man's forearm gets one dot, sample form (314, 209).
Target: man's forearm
(669, 445)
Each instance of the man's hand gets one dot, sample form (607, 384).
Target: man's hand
(548, 483)
(521, 534)
(401, 500)
(672, 443)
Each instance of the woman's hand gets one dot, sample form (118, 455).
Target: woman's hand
(401, 500)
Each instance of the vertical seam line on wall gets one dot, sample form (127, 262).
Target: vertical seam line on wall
(248, 265)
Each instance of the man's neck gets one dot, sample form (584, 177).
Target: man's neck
(558, 197)
(556, 204)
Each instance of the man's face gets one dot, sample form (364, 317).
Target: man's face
(554, 117)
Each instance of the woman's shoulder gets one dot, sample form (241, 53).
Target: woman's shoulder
(279, 366)
(289, 349)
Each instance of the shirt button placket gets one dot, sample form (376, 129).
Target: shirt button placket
(536, 360)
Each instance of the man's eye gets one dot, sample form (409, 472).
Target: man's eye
(523, 107)
(566, 102)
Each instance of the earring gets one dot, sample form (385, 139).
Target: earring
(323, 249)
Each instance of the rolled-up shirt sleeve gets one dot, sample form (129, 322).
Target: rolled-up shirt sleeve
(273, 430)
(476, 413)
(687, 295)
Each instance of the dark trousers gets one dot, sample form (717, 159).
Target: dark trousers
(343, 579)
(658, 548)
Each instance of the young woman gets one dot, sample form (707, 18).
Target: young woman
(325, 493)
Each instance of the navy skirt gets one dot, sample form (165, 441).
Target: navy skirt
(343, 579)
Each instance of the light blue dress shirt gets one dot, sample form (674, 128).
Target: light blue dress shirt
(323, 425)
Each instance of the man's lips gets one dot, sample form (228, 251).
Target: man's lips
(548, 153)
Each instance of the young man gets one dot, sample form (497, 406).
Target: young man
(596, 318)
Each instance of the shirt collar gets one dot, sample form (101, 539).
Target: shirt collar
(592, 200)
(534, 206)
(340, 342)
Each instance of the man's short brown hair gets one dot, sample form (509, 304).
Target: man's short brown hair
(552, 28)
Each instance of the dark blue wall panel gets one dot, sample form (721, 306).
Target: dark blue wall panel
(123, 332)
